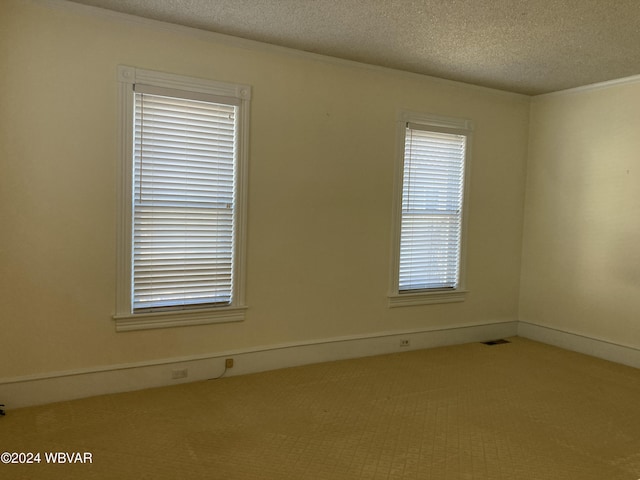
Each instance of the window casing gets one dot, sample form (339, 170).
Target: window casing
(182, 200)
(430, 210)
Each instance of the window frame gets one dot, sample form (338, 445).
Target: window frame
(437, 295)
(124, 317)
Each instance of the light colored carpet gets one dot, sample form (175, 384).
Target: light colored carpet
(521, 411)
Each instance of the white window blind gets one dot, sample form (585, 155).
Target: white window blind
(432, 201)
(184, 200)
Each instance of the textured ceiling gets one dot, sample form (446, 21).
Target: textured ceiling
(524, 46)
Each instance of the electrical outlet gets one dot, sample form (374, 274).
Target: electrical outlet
(228, 363)
(405, 342)
(179, 373)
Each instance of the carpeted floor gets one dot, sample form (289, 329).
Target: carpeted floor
(516, 411)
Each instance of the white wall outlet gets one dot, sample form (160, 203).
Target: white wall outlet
(179, 373)
(405, 342)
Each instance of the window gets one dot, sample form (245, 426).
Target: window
(429, 210)
(182, 201)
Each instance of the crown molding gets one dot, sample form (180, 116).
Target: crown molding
(591, 87)
(253, 45)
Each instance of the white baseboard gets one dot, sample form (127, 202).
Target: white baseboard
(30, 390)
(595, 347)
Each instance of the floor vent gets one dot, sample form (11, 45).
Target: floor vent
(496, 342)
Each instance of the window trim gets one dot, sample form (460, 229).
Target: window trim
(433, 296)
(124, 317)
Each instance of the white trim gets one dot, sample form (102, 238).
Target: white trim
(125, 320)
(576, 342)
(124, 194)
(427, 298)
(39, 389)
(199, 316)
(457, 125)
(433, 120)
(59, 386)
(133, 75)
(593, 86)
(253, 45)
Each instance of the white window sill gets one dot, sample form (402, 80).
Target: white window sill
(426, 298)
(204, 316)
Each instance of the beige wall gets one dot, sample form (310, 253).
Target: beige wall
(320, 191)
(581, 250)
